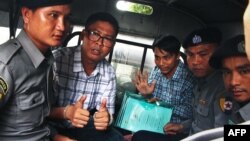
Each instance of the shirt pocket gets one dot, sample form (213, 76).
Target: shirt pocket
(203, 110)
(30, 107)
(31, 99)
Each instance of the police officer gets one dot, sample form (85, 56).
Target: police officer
(25, 64)
(232, 59)
(199, 46)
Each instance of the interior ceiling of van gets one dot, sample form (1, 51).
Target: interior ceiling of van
(169, 16)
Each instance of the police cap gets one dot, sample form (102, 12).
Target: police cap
(232, 47)
(202, 36)
(42, 3)
(168, 43)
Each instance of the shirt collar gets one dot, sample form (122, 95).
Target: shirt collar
(33, 52)
(78, 63)
(77, 66)
(178, 70)
(214, 75)
(244, 112)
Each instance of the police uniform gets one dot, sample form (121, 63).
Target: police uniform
(209, 90)
(238, 112)
(25, 86)
(207, 111)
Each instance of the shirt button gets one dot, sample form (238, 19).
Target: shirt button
(33, 101)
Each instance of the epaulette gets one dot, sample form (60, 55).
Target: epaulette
(8, 49)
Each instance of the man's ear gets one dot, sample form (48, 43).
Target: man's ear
(26, 14)
(84, 32)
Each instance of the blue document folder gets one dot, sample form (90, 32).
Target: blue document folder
(137, 114)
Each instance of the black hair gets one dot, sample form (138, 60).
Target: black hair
(102, 16)
(167, 43)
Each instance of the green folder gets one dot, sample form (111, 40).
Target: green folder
(137, 114)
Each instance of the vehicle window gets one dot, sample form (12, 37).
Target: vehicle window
(127, 59)
(5, 34)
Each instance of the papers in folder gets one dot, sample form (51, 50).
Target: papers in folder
(137, 114)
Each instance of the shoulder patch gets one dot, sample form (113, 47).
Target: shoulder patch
(1, 95)
(3, 87)
(228, 105)
(222, 102)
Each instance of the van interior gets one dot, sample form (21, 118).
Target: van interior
(138, 29)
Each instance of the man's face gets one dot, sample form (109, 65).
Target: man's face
(98, 41)
(47, 26)
(236, 75)
(166, 61)
(198, 59)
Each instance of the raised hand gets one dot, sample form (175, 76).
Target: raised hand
(141, 83)
(101, 117)
(78, 116)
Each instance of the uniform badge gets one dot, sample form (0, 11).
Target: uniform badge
(222, 103)
(1, 95)
(228, 105)
(202, 102)
(3, 87)
(241, 47)
(196, 39)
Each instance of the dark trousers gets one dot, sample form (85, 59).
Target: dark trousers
(151, 136)
(89, 133)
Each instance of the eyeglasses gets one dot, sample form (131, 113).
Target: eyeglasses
(95, 36)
